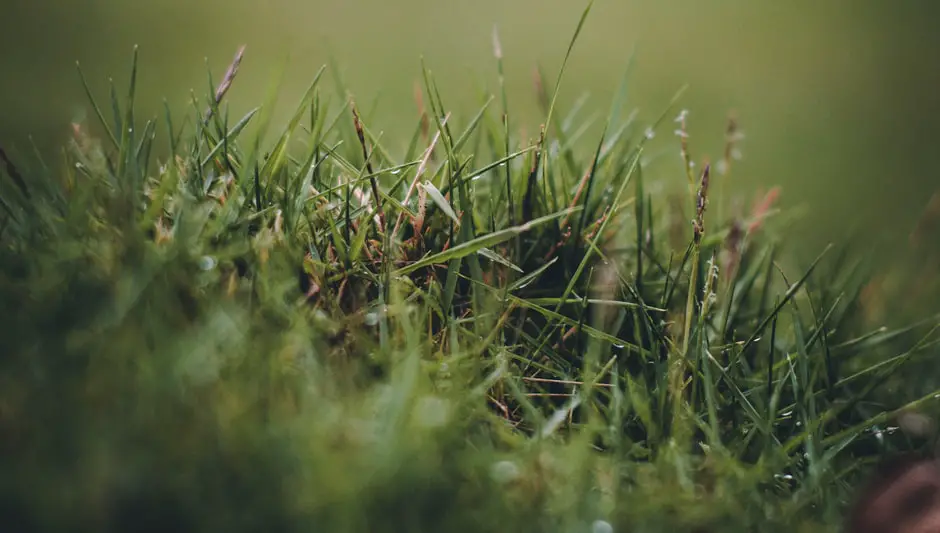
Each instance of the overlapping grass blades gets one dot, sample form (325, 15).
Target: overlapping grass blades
(481, 334)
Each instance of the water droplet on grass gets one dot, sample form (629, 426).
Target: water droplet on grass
(505, 471)
(207, 262)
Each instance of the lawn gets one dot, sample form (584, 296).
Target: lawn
(212, 323)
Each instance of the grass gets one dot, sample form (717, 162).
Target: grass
(480, 332)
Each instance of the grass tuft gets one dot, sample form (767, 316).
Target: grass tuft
(480, 333)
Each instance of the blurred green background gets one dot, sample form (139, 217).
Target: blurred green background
(838, 99)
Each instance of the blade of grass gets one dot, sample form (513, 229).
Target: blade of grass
(484, 241)
(96, 107)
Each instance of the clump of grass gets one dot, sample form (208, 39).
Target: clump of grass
(482, 332)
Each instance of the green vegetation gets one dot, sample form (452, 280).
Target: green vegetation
(484, 333)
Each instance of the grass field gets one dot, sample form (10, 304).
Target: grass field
(835, 97)
(214, 325)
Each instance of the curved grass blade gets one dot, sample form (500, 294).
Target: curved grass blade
(230, 136)
(440, 201)
(96, 107)
(496, 258)
(485, 241)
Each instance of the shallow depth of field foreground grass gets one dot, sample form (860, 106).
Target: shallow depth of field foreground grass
(307, 331)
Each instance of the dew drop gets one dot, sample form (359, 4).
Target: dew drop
(505, 471)
(207, 262)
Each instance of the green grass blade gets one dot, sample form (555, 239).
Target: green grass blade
(96, 107)
(473, 246)
(440, 201)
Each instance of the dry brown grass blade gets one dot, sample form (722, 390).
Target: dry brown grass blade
(227, 80)
(414, 183)
(373, 182)
(422, 112)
